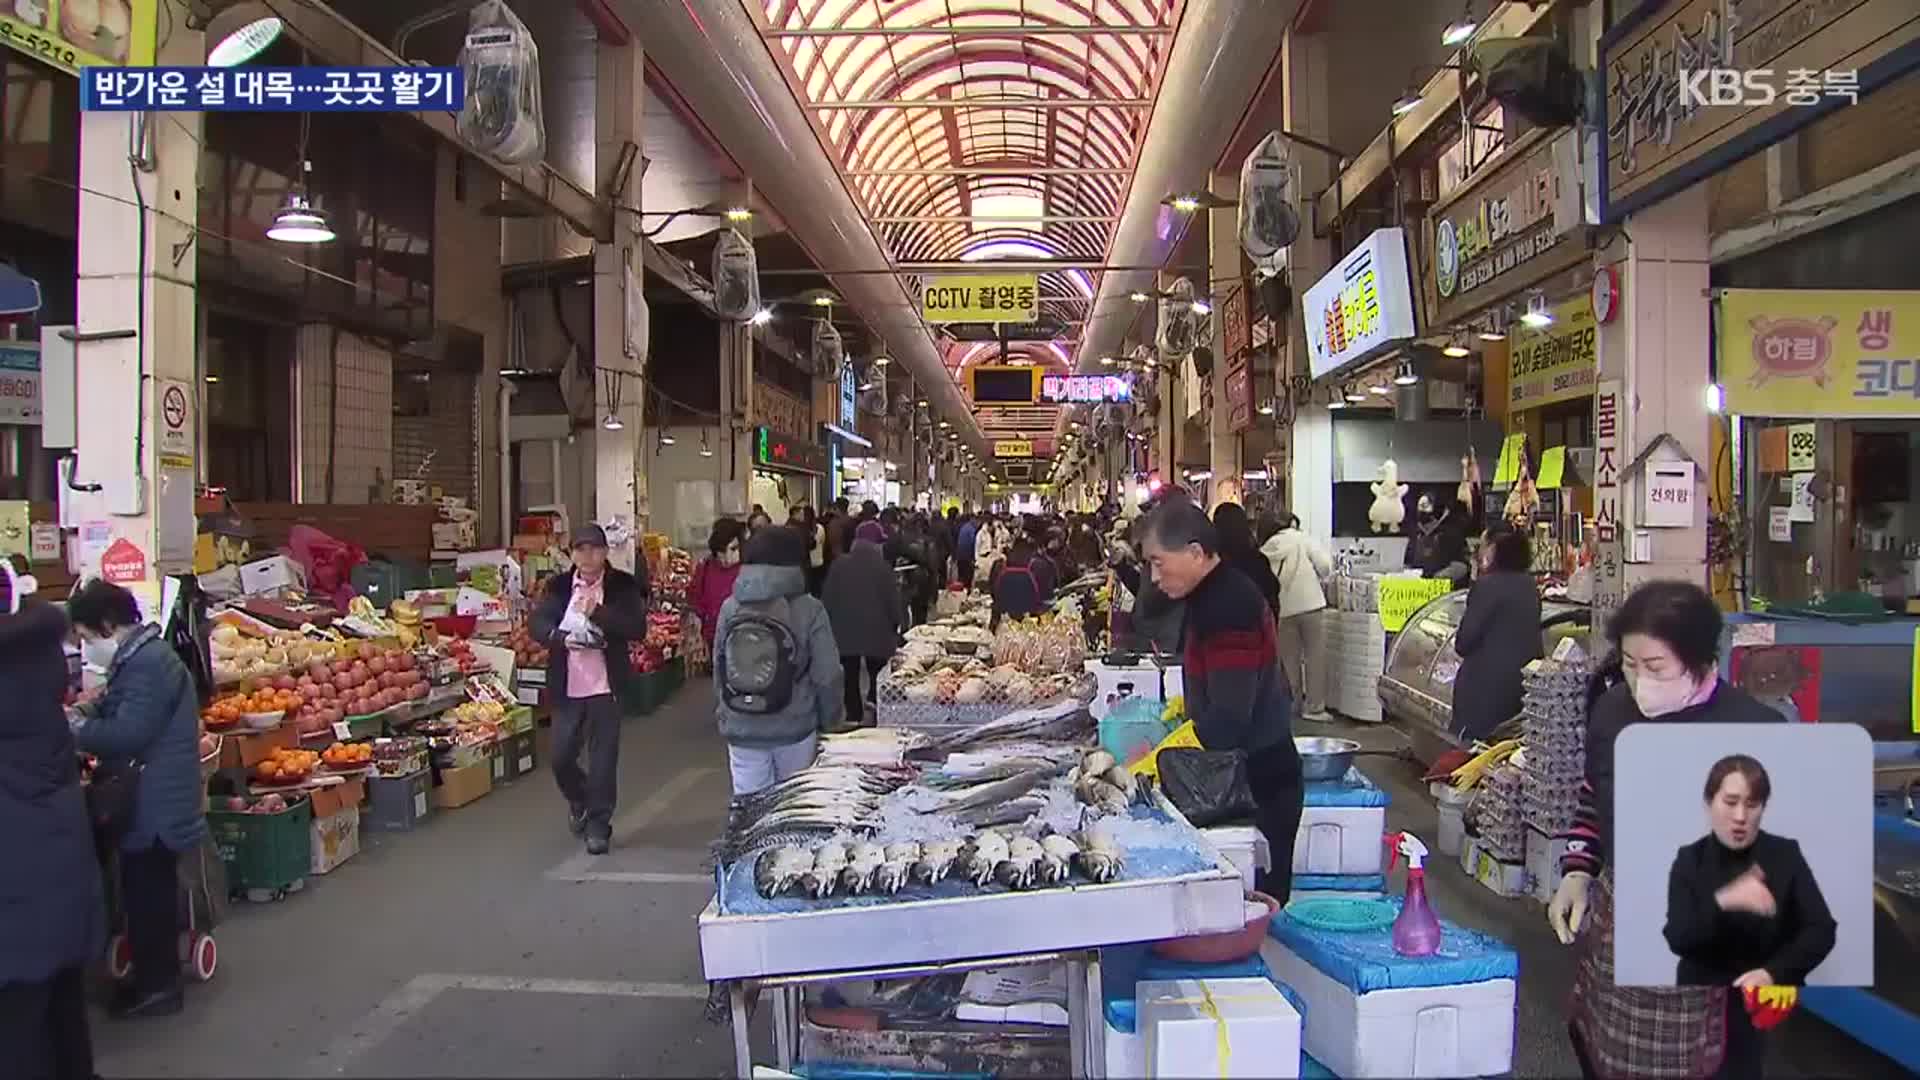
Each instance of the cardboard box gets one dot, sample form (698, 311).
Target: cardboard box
(338, 798)
(454, 536)
(274, 572)
(398, 803)
(1543, 863)
(1218, 1027)
(336, 838)
(1504, 878)
(410, 492)
(519, 719)
(243, 749)
(458, 787)
(517, 755)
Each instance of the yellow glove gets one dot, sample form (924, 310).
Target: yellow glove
(1568, 908)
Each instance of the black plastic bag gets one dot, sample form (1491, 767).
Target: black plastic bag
(1209, 786)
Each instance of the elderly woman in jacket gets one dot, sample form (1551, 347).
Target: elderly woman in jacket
(1300, 563)
(148, 718)
(53, 925)
(864, 602)
(1498, 637)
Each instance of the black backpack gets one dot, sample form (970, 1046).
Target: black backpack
(758, 660)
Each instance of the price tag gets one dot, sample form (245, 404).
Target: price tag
(342, 730)
(1802, 448)
(1400, 597)
(1780, 524)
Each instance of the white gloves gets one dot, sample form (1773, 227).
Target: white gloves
(1568, 908)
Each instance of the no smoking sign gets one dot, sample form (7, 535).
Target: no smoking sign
(176, 418)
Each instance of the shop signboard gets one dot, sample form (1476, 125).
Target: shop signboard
(781, 411)
(20, 382)
(1556, 362)
(1074, 389)
(981, 298)
(793, 453)
(1692, 86)
(1509, 228)
(849, 397)
(1239, 387)
(1609, 571)
(73, 34)
(1823, 353)
(1362, 307)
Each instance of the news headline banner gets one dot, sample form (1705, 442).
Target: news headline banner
(256, 89)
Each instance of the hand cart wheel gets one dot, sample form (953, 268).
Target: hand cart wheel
(203, 956)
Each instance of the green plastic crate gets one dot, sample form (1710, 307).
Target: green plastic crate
(642, 693)
(264, 852)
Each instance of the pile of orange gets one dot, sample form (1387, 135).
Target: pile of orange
(267, 700)
(224, 713)
(347, 755)
(284, 765)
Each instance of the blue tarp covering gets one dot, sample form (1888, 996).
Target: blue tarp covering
(1353, 789)
(1339, 883)
(1364, 962)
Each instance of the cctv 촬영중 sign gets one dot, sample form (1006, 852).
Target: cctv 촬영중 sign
(981, 298)
(1013, 448)
(1361, 307)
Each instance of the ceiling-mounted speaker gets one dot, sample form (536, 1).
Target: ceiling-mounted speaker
(1203, 361)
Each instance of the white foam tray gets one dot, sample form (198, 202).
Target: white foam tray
(1465, 1029)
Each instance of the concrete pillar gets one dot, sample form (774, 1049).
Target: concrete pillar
(1223, 257)
(139, 383)
(1658, 348)
(1305, 112)
(620, 479)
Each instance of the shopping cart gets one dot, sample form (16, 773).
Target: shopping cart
(202, 896)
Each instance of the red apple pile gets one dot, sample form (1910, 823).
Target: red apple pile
(527, 653)
(373, 680)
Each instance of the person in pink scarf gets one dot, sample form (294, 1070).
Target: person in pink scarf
(713, 578)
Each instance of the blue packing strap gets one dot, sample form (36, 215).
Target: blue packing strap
(1339, 883)
(1353, 789)
(1365, 962)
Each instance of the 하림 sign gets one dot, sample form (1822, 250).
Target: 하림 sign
(1828, 353)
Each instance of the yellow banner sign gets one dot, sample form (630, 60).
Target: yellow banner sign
(1555, 362)
(1820, 352)
(1400, 597)
(1013, 448)
(981, 298)
(72, 34)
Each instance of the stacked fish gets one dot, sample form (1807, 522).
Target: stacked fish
(1018, 861)
(814, 802)
(1104, 784)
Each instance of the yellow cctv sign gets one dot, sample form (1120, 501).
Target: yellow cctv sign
(981, 298)
(1013, 448)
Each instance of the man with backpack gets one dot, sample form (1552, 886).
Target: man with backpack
(588, 615)
(776, 667)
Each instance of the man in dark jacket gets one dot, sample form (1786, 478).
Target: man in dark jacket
(868, 613)
(1235, 691)
(840, 529)
(149, 713)
(50, 891)
(588, 616)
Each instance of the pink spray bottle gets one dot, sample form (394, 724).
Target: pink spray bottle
(1416, 931)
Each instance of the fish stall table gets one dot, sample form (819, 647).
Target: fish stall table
(783, 945)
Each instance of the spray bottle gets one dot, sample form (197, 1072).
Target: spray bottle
(1416, 932)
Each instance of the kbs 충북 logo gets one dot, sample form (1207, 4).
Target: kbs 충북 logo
(1760, 87)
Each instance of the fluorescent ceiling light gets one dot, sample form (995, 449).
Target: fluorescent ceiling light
(739, 213)
(1492, 335)
(1537, 319)
(1379, 389)
(1353, 394)
(1011, 210)
(1716, 398)
(1201, 307)
(300, 223)
(245, 43)
(1456, 350)
(1138, 297)
(1406, 103)
(761, 317)
(1186, 204)
(1458, 31)
(1406, 375)
(613, 423)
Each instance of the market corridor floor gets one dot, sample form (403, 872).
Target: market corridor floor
(485, 943)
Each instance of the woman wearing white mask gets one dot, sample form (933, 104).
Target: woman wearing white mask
(1665, 668)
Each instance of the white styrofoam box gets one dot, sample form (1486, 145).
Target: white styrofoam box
(1543, 863)
(1244, 847)
(1340, 840)
(1126, 1053)
(1113, 682)
(272, 572)
(1437, 1031)
(1183, 1034)
(1173, 682)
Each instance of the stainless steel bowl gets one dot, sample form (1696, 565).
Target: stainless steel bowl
(1324, 758)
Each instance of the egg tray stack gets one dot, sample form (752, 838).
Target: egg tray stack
(1495, 814)
(1554, 728)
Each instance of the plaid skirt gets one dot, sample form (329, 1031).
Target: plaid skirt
(1641, 1032)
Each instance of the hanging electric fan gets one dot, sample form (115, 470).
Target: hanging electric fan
(828, 351)
(1179, 323)
(736, 277)
(1269, 220)
(501, 65)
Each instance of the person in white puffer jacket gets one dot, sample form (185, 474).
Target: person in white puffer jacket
(989, 547)
(1302, 564)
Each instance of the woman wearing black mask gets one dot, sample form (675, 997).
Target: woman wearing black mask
(1438, 547)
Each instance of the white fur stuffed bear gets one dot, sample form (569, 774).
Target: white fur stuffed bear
(1389, 507)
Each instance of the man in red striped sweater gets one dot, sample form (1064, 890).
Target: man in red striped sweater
(1235, 690)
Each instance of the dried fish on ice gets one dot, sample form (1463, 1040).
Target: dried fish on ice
(1057, 855)
(1067, 720)
(1011, 812)
(1100, 857)
(984, 855)
(937, 859)
(998, 791)
(829, 860)
(1020, 868)
(864, 859)
(1097, 793)
(780, 868)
